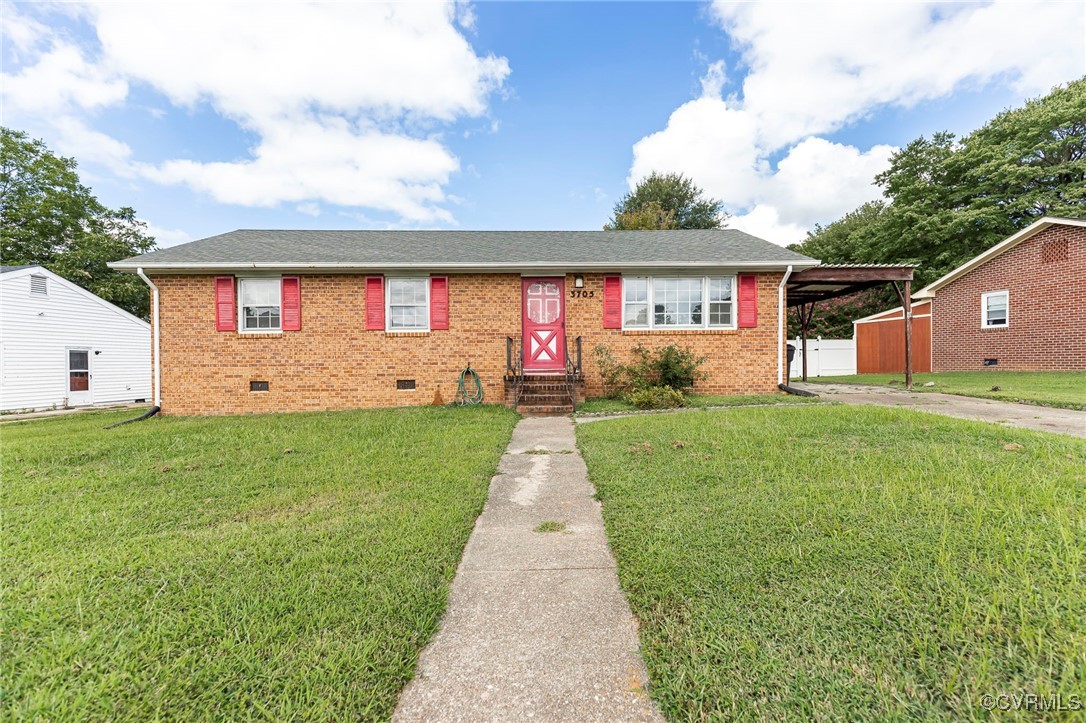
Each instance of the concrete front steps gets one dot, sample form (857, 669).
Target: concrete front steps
(543, 394)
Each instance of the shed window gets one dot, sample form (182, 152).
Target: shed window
(678, 302)
(994, 309)
(408, 304)
(260, 304)
(39, 284)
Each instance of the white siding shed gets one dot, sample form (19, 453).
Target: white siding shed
(61, 345)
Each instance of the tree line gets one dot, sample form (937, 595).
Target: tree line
(49, 218)
(945, 200)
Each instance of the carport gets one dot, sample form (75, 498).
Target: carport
(808, 287)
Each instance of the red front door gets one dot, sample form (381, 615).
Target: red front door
(543, 310)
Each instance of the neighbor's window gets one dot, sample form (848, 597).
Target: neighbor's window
(678, 303)
(993, 309)
(259, 301)
(408, 305)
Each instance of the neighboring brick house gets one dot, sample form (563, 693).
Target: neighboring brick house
(269, 321)
(1020, 305)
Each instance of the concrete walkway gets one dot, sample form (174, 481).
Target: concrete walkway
(537, 627)
(1024, 416)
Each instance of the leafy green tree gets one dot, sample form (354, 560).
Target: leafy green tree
(854, 238)
(650, 216)
(48, 217)
(671, 201)
(949, 200)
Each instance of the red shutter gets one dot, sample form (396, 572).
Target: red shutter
(375, 302)
(748, 301)
(225, 316)
(439, 302)
(612, 302)
(292, 303)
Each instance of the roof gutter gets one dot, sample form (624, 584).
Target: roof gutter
(347, 267)
(155, 334)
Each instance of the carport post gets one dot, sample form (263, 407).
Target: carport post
(805, 315)
(906, 297)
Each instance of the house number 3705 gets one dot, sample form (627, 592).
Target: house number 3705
(582, 294)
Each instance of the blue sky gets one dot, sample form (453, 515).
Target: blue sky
(211, 117)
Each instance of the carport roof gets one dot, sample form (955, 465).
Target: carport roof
(832, 280)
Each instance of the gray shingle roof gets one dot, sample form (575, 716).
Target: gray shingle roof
(467, 249)
(7, 269)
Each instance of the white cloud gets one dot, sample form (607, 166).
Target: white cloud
(819, 179)
(167, 236)
(62, 80)
(75, 138)
(326, 159)
(765, 222)
(712, 83)
(815, 67)
(343, 99)
(710, 141)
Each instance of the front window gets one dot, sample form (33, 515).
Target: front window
(260, 304)
(994, 309)
(408, 305)
(720, 301)
(635, 313)
(678, 302)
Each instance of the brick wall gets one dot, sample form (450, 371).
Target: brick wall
(1046, 278)
(334, 363)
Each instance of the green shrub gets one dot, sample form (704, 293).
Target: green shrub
(615, 376)
(669, 366)
(656, 398)
(675, 367)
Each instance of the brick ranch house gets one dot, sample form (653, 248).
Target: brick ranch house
(276, 321)
(1020, 305)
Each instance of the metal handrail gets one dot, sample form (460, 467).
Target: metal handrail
(514, 367)
(573, 369)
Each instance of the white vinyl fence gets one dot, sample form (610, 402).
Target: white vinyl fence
(825, 357)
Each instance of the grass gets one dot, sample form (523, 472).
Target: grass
(1050, 389)
(271, 567)
(846, 563)
(602, 405)
(551, 526)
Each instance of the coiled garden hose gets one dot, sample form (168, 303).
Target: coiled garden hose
(469, 377)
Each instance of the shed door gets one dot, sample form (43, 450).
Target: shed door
(544, 319)
(79, 377)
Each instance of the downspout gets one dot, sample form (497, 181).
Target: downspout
(782, 319)
(781, 315)
(157, 366)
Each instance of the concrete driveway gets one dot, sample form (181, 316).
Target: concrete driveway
(1023, 416)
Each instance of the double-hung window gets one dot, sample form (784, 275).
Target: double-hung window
(260, 304)
(681, 302)
(408, 304)
(994, 309)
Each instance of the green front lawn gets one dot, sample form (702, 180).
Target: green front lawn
(1050, 389)
(845, 563)
(600, 405)
(283, 567)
